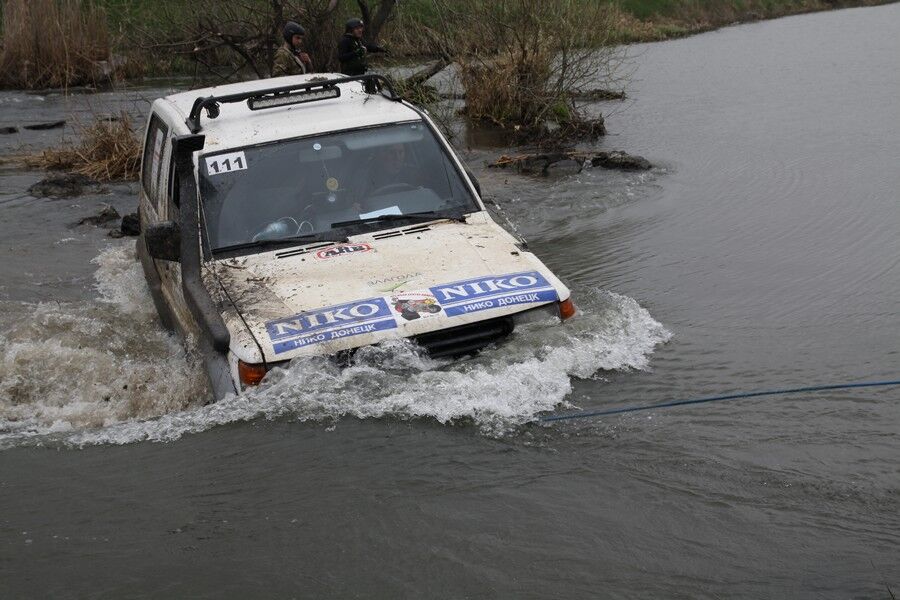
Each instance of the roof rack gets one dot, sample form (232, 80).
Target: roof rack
(312, 90)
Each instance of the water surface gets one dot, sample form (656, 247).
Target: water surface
(762, 252)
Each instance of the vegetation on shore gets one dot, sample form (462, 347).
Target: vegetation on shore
(109, 150)
(523, 64)
(60, 43)
(53, 43)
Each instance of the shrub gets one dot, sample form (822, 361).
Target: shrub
(109, 151)
(53, 43)
(523, 63)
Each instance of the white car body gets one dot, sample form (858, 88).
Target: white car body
(423, 278)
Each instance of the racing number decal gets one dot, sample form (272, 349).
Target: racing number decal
(225, 163)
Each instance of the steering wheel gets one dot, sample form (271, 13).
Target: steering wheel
(283, 227)
(392, 187)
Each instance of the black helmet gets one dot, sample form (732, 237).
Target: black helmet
(291, 29)
(353, 24)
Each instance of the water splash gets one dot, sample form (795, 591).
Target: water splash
(69, 366)
(110, 375)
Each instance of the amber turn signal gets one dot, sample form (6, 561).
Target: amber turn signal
(251, 374)
(566, 309)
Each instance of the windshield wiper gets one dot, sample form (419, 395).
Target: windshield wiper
(284, 241)
(428, 215)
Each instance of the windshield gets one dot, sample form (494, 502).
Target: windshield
(328, 186)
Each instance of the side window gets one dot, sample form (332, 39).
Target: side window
(162, 180)
(174, 193)
(153, 161)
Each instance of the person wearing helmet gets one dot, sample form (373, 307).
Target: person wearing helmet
(352, 49)
(290, 59)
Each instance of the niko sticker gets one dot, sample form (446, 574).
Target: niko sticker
(498, 291)
(330, 323)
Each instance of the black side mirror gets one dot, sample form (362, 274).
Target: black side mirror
(474, 181)
(164, 241)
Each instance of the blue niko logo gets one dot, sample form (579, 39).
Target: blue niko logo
(330, 323)
(498, 291)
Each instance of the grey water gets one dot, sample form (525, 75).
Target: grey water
(761, 252)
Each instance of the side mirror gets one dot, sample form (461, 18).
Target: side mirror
(164, 241)
(474, 181)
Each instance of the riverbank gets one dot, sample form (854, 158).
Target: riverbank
(657, 20)
(158, 38)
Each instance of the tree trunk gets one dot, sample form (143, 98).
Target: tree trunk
(275, 33)
(374, 24)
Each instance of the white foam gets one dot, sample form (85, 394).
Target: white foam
(65, 367)
(87, 355)
(501, 389)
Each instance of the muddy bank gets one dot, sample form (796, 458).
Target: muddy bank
(572, 160)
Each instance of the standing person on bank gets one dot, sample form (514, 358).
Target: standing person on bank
(290, 59)
(352, 50)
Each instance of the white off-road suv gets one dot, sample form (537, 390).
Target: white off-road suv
(316, 214)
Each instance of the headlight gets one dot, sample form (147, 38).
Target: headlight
(567, 309)
(251, 374)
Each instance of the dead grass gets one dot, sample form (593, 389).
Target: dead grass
(109, 151)
(523, 65)
(53, 43)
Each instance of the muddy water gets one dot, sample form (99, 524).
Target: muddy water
(761, 253)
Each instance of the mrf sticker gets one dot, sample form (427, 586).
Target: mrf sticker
(496, 291)
(341, 250)
(415, 305)
(330, 323)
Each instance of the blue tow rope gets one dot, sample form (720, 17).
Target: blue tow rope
(617, 411)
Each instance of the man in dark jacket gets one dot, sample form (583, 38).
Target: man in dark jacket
(352, 50)
(290, 59)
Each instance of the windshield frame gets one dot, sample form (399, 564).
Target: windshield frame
(344, 232)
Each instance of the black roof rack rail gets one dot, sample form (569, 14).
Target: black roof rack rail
(372, 84)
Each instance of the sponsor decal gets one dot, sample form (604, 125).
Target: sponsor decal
(342, 249)
(330, 323)
(497, 291)
(415, 305)
(391, 283)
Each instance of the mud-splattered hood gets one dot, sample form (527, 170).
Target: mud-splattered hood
(322, 298)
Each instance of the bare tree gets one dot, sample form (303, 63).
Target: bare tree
(523, 64)
(374, 24)
(231, 38)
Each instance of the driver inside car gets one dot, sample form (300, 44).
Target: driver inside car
(390, 170)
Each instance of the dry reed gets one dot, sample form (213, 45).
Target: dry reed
(524, 64)
(109, 151)
(53, 43)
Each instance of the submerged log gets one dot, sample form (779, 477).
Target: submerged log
(620, 160)
(597, 95)
(42, 126)
(61, 186)
(542, 162)
(106, 215)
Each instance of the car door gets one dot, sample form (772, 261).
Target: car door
(159, 191)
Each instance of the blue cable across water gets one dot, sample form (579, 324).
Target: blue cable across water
(586, 414)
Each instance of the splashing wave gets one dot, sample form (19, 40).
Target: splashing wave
(109, 374)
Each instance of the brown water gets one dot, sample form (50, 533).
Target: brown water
(762, 252)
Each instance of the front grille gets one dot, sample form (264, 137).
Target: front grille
(465, 339)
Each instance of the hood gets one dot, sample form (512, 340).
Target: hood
(323, 298)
